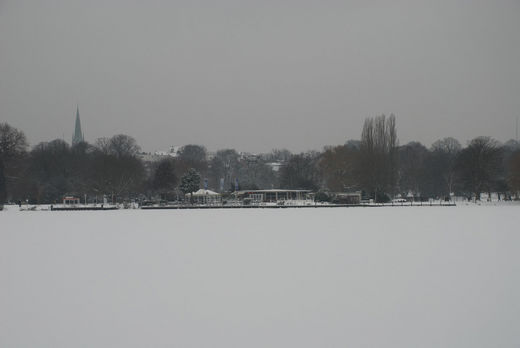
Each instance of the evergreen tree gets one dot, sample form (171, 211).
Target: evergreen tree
(190, 182)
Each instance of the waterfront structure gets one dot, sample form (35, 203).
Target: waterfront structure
(274, 195)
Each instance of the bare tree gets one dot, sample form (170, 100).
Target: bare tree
(337, 166)
(164, 179)
(12, 141)
(301, 172)
(448, 145)
(116, 169)
(12, 145)
(445, 153)
(412, 158)
(3, 193)
(514, 173)
(103, 145)
(256, 174)
(378, 160)
(224, 166)
(120, 145)
(50, 171)
(479, 165)
(193, 156)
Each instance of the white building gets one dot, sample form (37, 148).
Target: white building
(207, 197)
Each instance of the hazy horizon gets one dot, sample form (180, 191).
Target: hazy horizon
(257, 75)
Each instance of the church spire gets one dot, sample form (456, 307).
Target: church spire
(78, 134)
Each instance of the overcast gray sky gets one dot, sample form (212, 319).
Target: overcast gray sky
(257, 75)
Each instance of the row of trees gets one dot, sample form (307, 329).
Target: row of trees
(115, 167)
(379, 167)
(412, 170)
(376, 165)
(53, 169)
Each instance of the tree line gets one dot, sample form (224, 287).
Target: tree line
(376, 165)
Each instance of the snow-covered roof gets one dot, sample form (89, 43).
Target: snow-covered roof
(203, 192)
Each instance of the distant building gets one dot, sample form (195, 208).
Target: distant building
(346, 197)
(78, 134)
(160, 155)
(249, 157)
(174, 150)
(151, 158)
(275, 166)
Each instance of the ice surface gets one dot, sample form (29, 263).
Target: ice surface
(340, 277)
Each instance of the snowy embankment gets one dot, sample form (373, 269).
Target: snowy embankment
(393, 277)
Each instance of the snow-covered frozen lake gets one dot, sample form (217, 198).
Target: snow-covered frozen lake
(342, 277)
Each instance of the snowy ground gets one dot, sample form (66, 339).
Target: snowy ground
(341, 277)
